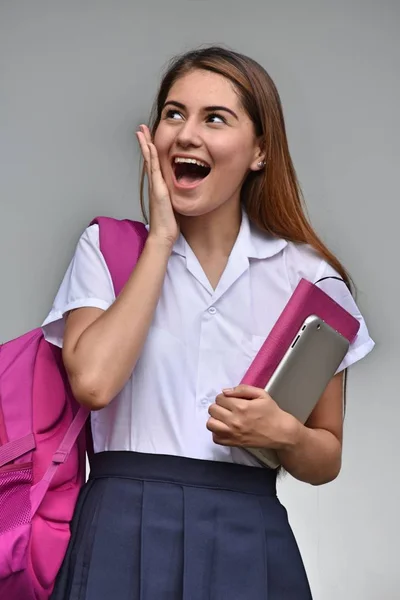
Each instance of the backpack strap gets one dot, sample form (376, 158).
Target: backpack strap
(39, 490)
(16, 448)
(330, 277)
(121, 243)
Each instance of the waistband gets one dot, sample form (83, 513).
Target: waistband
(183, 471)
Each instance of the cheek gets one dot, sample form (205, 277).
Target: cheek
(162, 141)
(232, 155)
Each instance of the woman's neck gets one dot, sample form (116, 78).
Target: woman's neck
(214, 233)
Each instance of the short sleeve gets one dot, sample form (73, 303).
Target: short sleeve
(303, 261)
(87, 283)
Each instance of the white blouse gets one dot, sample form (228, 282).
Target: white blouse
(201, 340)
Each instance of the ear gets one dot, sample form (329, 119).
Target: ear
(258, 163)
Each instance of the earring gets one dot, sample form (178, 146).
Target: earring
(261, 164)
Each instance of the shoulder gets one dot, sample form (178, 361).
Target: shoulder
(90, 235)
(87, 283)
(303, 261)
(87, 250)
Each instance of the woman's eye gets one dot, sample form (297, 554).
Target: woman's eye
(173, 114)
(216, 119)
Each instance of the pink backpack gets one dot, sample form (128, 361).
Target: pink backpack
(42, 454)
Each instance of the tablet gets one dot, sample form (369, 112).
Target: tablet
(301, 377)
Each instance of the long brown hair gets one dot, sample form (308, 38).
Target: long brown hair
(272, 197)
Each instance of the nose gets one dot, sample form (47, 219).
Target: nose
(189, 134)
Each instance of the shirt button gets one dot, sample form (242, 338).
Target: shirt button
(212, 310)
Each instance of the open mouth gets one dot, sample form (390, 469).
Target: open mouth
(189, 171)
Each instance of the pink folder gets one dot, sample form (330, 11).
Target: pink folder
(307, 299)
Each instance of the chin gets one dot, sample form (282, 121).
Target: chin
(195, 207)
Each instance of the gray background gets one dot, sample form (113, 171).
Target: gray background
(76, 78)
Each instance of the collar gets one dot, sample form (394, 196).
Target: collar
(251, 241)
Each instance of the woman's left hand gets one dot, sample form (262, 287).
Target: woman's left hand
(247, 416)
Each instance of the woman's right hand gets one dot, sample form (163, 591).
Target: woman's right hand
(163, 224)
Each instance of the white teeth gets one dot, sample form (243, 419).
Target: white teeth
(190, 161)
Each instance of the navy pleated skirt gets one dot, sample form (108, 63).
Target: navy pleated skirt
(150, 527)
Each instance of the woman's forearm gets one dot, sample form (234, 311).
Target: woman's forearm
(104, 355)
(314, 456)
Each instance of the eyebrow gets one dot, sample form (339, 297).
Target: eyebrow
(207, 108)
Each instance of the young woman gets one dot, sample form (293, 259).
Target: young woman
(175, 508)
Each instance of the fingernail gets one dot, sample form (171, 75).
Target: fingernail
(227, 390)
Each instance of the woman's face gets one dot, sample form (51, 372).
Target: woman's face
(206, 143)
